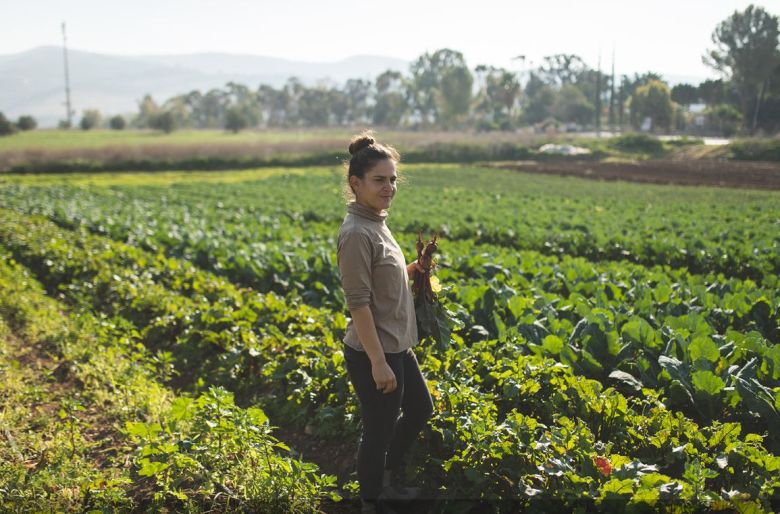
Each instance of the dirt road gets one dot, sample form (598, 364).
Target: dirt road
(701, 172)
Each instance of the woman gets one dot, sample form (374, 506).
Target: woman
(377, 345)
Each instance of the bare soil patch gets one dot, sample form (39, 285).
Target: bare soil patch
(702, 172)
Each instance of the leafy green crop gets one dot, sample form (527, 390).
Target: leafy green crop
(614, 346)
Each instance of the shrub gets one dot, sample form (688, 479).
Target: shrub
(6, 127)
(163, 121)
(26, 123)
(635, 142)
(756, 149)
(235, 120)
(725, 117)
(90, 119)
(117, 122)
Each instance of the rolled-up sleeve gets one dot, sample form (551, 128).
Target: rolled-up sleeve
(354, 258)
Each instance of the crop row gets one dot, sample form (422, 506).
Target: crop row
(109, 436)
(507, 425)
(703, 230)
(613, 321)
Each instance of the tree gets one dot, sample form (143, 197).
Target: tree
(313, 107)
(235, 120)
(163, 120)
(273, 105)
(539, 105)
(497, 97)
(390, 106)
(453, 97)
(725, 118)
(147, 110)
(90, 119)
(561, 69)
(440, 89)
(358, 93)
(685, 94)
(746, 53)
(654, 101)
(246, 100)
(572, 105)
(117, 122)
(6, 127)
(712, 92)
(26, 123)
(339, 106)
(290, 96)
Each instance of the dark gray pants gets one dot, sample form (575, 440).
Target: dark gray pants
(386, 437)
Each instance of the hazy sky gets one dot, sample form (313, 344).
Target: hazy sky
(667, 36)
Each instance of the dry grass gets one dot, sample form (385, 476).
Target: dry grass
(265, 146)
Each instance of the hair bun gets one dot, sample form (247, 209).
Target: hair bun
(360, 142)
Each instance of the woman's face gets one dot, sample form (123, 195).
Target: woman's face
(377, 187)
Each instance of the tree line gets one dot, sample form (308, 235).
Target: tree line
(440, 91)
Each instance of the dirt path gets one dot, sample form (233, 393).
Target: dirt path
(41, 386)
(702, 172)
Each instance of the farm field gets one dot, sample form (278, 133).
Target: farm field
(203, 149)
(60, 139)
(60, 151)
(615, 345)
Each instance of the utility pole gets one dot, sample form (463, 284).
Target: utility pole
(612, 94)
(69, 113)
(598, 98)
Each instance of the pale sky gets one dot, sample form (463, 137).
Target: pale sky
(666, 36)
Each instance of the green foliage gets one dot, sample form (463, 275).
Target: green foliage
(572, 105)
(163, 120)
(90, 119)
(746, 53)
(26, 123)
(640, 143)
(652, 100)
(117, 122)
(235, 120)
(208, 444)
(725, 117)
(196, 453)
(6, 127)
(756, 149)
(565, 381)
(685, 94)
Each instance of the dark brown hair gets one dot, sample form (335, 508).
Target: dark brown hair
(366, 153)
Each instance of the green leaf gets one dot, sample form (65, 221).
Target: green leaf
(151, 468)
(707, 382)
(617, 488)
(181, 408)
(703, 348)
(679, 373)
(552, 344)
(771, 363)
(626, 379)
(143, 430)
(640, 331)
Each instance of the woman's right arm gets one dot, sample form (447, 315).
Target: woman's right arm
(366, 331)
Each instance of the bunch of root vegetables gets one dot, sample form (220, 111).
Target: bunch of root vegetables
(433, 320)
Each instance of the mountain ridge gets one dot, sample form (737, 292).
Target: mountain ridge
(114, 84)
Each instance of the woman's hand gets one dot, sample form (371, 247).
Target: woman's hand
(384, 377)
(415, 266)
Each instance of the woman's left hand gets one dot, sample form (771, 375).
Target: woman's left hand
(414, 266)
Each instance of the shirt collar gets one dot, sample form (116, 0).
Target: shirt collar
(366, 212)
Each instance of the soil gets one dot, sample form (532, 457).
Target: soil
(700, 172)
